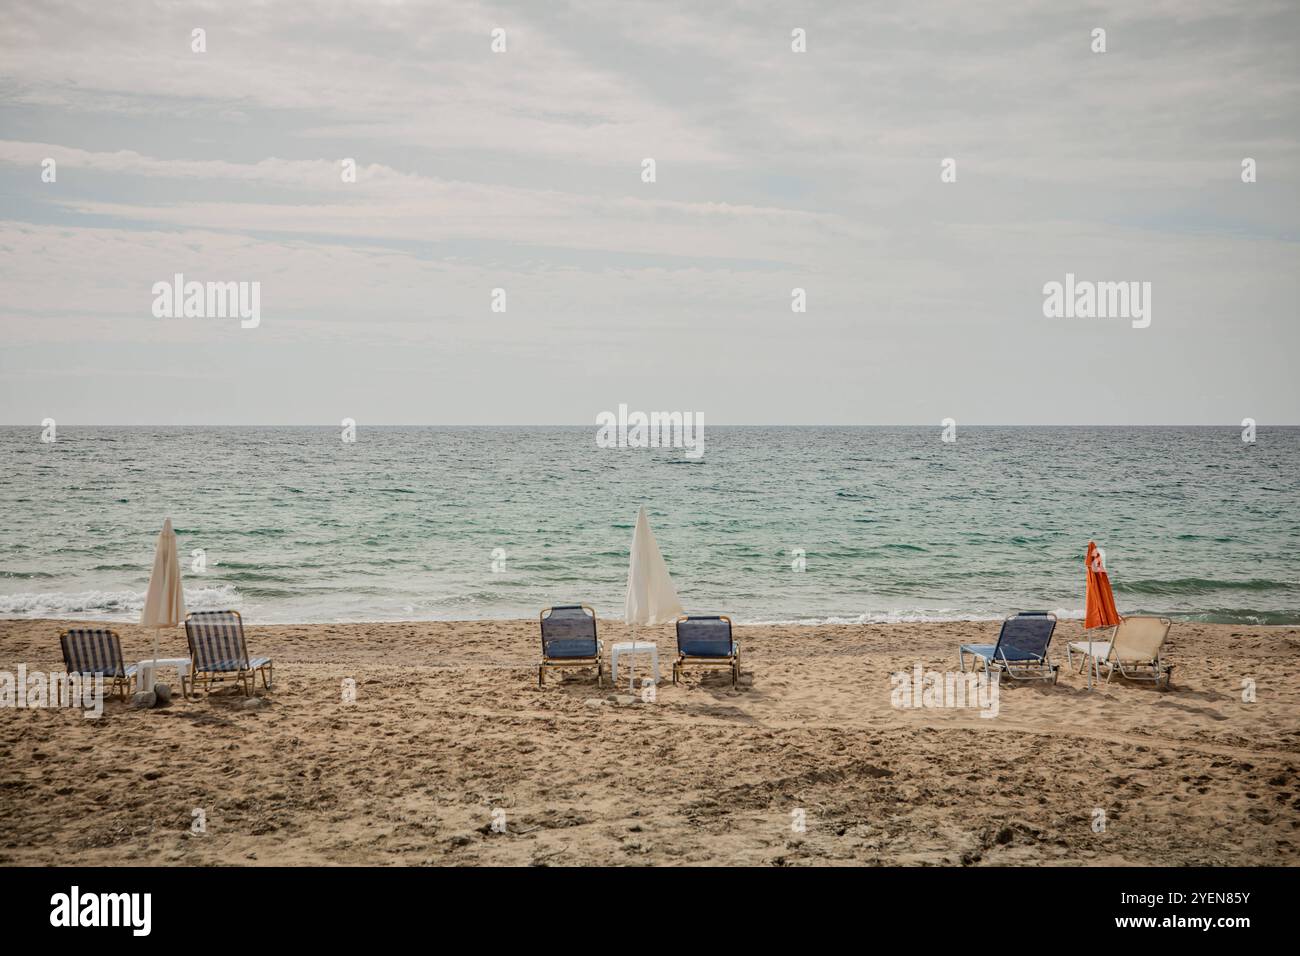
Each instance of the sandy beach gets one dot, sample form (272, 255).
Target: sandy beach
(449, 726)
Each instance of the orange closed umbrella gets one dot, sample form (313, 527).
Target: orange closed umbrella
(1099, 604)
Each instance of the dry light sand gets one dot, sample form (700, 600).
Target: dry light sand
(449, 724)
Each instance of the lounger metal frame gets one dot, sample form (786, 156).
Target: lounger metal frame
(731, 660)
(596, 661)
(1029, 668)
(122, 680)
(246, 675)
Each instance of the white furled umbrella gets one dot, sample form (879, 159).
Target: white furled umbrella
(164, 604)
(651, 597)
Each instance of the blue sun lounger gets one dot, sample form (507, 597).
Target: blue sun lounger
(569, 640)
(706, 641)
(1021, 650)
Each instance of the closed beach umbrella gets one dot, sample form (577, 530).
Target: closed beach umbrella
(1099, 603)
(651, 597)
(164, 604)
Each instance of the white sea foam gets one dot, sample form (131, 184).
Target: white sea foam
(901, 617)
(108, 603)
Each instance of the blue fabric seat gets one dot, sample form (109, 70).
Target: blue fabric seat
(569, 640)
(1021, 651)
(705, 637)
(991, 650)
(706, 640)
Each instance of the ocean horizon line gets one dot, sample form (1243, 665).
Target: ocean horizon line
(333, 426)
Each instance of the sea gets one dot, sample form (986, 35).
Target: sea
(797, 524)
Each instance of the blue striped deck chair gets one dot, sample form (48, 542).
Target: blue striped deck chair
(1021, 650)
(569, 640)
(705, 641)
(97, 651)
(218, 652)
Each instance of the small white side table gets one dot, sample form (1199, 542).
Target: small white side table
(630, 647)
(144, 676)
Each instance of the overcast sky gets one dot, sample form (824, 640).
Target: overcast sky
(775, 170)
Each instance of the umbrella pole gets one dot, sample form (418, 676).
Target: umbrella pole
(153, 672)
(631, 671)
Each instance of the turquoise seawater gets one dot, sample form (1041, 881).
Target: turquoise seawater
(437, 523)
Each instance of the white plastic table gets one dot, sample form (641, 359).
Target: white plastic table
(1093, 660)
(629, 647)
(144, 677)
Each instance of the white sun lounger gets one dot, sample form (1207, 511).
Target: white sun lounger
(1135, 650)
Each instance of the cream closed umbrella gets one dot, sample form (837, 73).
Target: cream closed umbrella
(651, 597)
(164, 603)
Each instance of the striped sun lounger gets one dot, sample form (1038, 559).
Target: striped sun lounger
(97, 651)
(218, 652)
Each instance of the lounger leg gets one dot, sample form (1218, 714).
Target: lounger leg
(541, 675)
